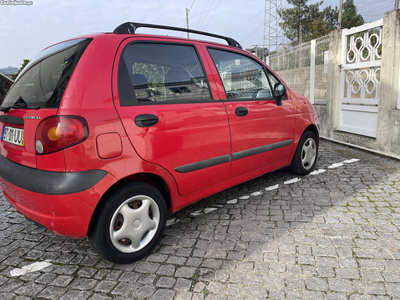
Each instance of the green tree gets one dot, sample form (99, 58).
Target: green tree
(331, 16)
(299, 17)
(23, 65)
(2, 90)
(350, 18)
(314, 23)
(4, 87)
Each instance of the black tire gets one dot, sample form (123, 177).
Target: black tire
(143, 211)
(306, 155)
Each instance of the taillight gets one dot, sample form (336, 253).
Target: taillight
(60, 132)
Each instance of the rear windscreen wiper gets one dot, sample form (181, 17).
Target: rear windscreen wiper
(19, 104)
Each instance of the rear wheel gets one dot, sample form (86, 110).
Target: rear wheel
(305, 158)
(129, 224)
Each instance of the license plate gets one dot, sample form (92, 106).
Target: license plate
(13, 135)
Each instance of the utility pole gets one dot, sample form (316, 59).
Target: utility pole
(396, 4)
(300, 34)
(340, 15)
(187, 21)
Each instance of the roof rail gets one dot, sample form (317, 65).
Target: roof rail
(130, 28)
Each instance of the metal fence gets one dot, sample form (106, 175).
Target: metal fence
(304, 67)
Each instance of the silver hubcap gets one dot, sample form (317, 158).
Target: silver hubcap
(134, 224)
(308, 153)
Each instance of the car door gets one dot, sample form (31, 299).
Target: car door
(261, 131)
(164, 101)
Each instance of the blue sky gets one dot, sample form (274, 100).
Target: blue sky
(26, 30)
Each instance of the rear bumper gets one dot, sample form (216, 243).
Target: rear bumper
(63, 202)
(48, 183)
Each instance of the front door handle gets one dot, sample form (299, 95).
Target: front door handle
(146, 120)
(241, 111)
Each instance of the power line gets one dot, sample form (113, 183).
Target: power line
(254, 32)
(201, 18)
(373, 9)
(212, 15)
(192, 5)
(251, 19)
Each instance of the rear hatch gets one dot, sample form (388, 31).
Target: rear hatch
(36, 95)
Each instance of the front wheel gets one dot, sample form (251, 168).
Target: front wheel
(305, 158)
(129, 224)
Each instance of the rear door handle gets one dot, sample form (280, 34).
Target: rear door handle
(241, 111)
(146, 120)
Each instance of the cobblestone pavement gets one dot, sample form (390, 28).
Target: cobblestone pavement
(332, 235)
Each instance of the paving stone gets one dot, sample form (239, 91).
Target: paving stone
(114, 275)
(62, 280)
(147, 267)
(11, 285)
(105, 286)
(122, 289)
(340, 285)
(31, 289)
(147, 279)
(167, 270)
(145, 292)
(316, 284)
(52, 292)
(391, 276)
(83, 284)
(254, 292)
(129, 277)
(183, 285)
(393, 289)
(165, 282)
(212, 263)
(74, 294)
(186, 272)
(87, 272)
(347, 273)
(46, 278)
(313, 295)
(183, 296)
(163, 295)
(98, 296)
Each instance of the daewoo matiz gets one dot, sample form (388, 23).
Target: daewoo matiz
(103, 135)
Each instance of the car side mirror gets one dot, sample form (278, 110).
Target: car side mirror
(279, 92)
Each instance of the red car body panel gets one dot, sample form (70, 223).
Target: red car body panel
(186, 133)
(66, 215)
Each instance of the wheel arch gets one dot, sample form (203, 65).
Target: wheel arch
(156, 181)
(313, 129)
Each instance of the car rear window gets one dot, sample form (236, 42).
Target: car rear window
(152, 73)
(45, 79)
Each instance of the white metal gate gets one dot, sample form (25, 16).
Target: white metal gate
(360, 77)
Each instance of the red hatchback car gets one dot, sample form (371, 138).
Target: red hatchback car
(104, 134)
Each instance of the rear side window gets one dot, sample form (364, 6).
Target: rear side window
(242, 77)
(156, 72)
(44, 81)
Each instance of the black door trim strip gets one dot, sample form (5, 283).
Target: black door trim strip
(227, 158)
(253, 151)
(203, 164)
